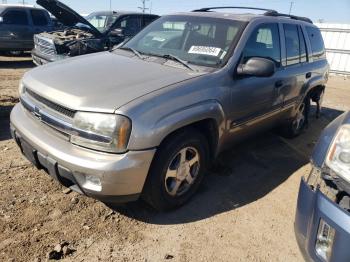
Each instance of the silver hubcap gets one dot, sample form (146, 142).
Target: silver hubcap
(300, 117)
(182, 171)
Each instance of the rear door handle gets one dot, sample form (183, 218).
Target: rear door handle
(308, 75)
(279, 84)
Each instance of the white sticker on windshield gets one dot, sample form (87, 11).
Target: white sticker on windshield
(159, 39)
(205, 50)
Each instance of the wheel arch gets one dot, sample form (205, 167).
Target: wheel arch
(206, 118)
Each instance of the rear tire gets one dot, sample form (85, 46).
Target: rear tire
(297, 124)
(177, 170)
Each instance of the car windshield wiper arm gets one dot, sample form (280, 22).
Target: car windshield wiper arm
(137, 53)
(175, 58)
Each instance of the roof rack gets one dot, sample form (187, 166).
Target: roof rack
(207, 9)
(300, 18)
(268, 12)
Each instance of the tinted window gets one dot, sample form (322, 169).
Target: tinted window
(292, 44)
(39, 17)
(303, 54)
(317, 44)
(15, 17)
(148, 19)
(264, 42)
(130, 24)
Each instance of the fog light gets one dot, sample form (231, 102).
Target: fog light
(92, 183)
(324, 242)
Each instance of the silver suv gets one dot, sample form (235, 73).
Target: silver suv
(148, 118)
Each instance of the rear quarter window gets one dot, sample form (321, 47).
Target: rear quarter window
(317, 44)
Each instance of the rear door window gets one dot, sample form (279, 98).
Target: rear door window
(292, 44)
(39, 18)
(264, 42)
(15, 17)
(317, 44)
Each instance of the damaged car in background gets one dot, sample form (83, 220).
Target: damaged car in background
(99, 31)
(322, 224)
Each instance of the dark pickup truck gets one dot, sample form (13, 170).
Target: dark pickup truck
(99, 31)
(18, 24)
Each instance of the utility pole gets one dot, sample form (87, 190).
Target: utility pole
(143, 8)
(4, 2)
(110, 5)
(291, 6)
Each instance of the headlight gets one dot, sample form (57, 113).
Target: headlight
(338, 158)
(104, 132)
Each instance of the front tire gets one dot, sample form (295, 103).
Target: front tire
(177, 170)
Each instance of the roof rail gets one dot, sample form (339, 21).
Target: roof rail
(268, 12)
(207, 9)
(300, 18)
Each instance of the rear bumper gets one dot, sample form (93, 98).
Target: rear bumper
(122, 176)
(313, 206)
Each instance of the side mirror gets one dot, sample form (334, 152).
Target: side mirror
(117, 32)
(257, 66)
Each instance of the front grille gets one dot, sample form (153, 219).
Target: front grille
(44, 46)
(60, 109)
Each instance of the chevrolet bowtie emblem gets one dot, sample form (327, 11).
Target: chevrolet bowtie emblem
(36, 112)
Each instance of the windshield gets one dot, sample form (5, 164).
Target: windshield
(101, 22)
(197, 40)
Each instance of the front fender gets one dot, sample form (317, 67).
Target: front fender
(155, 133)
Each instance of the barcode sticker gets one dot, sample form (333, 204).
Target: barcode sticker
(205, 50)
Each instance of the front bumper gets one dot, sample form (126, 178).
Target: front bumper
(122, 176)
(313, 206)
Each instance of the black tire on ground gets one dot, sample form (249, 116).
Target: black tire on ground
(157, 190)
(295, 126)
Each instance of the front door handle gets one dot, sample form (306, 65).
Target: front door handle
(279, 84)
(308, 75)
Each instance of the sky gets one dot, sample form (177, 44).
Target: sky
(336, 11)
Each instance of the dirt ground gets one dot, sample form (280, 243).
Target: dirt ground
(244, 212)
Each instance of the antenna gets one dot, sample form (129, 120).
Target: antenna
(143, 8)
(291, 7)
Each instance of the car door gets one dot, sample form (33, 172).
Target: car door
(295, 64)
(257, 99)
(40, 21)
(16, 33)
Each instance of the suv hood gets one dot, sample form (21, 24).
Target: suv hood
(66, 15)
(101, 82)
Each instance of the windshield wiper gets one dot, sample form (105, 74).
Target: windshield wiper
(137, 53)
(175, 58)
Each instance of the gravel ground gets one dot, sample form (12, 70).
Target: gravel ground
(243, 212)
